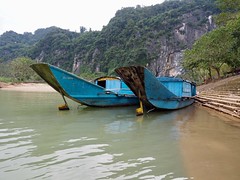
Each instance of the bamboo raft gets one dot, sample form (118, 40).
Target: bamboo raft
(227, 102)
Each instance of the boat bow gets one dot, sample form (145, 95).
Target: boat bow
(133, 76)
(44, 71)
(103, 92)
(153, 92)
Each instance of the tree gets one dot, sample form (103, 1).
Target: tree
(220, 46)
(82, 29)
(211, 51)
(230, 20)
(20, 69)
(231, 6)
(230, 11)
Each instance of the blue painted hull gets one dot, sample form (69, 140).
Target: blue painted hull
(171, 104)
(158, 93)
(82, 91)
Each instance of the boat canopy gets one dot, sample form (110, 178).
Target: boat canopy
(114, 84)
(108, 83)
(178, 86)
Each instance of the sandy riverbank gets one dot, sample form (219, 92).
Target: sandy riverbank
(219, 83)
(28, 87)
(46, 88)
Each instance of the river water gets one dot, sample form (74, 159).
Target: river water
(39, 142)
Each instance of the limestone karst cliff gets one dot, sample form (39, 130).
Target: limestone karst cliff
(152, 36)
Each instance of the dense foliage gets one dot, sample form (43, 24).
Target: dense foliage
(219, 49)
(136, 35)
(18, 70)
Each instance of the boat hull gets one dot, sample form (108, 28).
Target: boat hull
(152, 92)
(80, 90)
(172, 104)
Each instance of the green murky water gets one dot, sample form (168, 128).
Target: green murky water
(39, 142)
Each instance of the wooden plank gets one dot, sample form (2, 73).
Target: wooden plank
(200, 100)
(236, 99)
(222, 110)
(232, 108)
(220, 101)
(219, 93)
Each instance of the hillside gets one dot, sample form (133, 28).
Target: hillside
(153, 36)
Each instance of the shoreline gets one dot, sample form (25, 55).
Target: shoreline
(27, 87)
(44, 87)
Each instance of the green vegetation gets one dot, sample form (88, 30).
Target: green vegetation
(217, 52)
(17, 70)
(135, 36)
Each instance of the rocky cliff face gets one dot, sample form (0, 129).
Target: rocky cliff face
(166, 51)
(170, 54)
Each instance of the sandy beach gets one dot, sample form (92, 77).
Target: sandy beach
(28, 87)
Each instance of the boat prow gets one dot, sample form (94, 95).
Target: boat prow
(104, 92)
(157, 92)
(44, 71)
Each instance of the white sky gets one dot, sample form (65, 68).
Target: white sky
(29, 15)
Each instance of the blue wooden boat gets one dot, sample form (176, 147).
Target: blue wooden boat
(103, 92)
(158, 92)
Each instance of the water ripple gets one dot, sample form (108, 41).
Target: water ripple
(79, 158)
(91, 161)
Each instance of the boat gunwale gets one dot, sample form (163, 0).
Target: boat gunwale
(46, 72)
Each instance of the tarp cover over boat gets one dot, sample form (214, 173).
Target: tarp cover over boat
(157, 92)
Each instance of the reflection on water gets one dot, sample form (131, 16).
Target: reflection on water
(39, 142)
